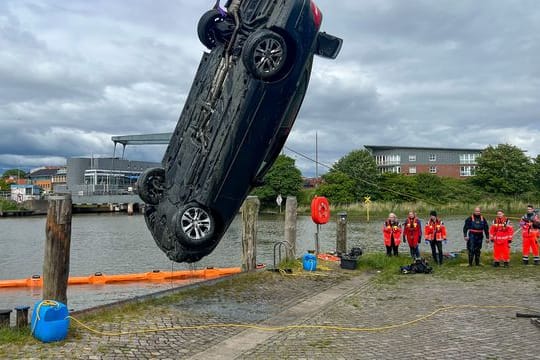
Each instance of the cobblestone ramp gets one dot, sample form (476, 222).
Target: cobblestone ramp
(238, 345)
(345, 299)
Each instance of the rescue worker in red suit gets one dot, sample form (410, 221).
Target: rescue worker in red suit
(530, 224)
(435, 234)
(412, 234)
(392, 234)
(500, 234)
(473, 232)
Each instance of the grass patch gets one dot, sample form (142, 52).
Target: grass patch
(380, 209)
(322, 344)
(458, 269)
(387, 268)
(9, 205)
(10, 335)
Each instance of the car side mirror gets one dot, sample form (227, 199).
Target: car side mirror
(327, 45)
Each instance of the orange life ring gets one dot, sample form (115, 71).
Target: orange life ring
(320, 210)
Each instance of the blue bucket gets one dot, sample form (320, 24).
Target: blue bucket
(309, 262)
(50, 321)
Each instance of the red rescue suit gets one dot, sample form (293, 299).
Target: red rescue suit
(412, 231)
(530, 236)
(435, 230)
(500, 234)
(391, 229)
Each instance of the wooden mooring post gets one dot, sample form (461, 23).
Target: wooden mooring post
(250, 213)
(57, 248)
(341, 233)
(291, 206)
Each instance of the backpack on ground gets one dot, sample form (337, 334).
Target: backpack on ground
(419, 266)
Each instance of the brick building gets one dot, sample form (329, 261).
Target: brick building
(408, 160)
(43, 176)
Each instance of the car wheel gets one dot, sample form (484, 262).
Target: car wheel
(151, 185)
(194, 225)
(207, 28)
(265, 54)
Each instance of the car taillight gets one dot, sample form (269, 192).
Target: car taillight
(317, 15)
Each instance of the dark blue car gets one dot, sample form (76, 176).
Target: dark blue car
(244, 100)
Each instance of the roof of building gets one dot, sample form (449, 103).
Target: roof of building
(44, 172)
(389, 147)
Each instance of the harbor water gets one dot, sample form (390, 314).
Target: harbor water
(117, 244)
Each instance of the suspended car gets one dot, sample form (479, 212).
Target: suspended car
(244, 100)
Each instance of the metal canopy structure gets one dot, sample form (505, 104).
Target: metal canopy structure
(143, 139)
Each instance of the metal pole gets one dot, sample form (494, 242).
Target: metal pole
(317, 245)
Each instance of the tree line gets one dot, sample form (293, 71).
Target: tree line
(503, 172)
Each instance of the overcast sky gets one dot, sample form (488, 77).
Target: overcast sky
(459, 73)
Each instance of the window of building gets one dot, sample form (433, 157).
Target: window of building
(412, 170)
(387, 159)
(433, 169)
(432, 157)
(392, 170)
(412, 158)
(468, 158)
(467, 170)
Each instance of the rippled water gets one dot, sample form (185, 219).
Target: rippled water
(116, 243)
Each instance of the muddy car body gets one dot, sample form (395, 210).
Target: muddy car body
(242, 105)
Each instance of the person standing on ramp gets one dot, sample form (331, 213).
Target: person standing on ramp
(474, 229)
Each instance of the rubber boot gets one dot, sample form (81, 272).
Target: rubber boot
(525, 262)
(536, 262)
(470, 259)
(506, 264)
(496, 264)
(477, 260)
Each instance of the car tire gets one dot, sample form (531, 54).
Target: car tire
(151, 185)
(194, 226)
(265, 54)
(207, 29)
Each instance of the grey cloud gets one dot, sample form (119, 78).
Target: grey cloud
(446, 73)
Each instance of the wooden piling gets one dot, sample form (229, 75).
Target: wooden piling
(250, 213)
(130, 209)
(57, 248)
(4, 317)
(21, 316)
(341, 236)
(290, 226)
